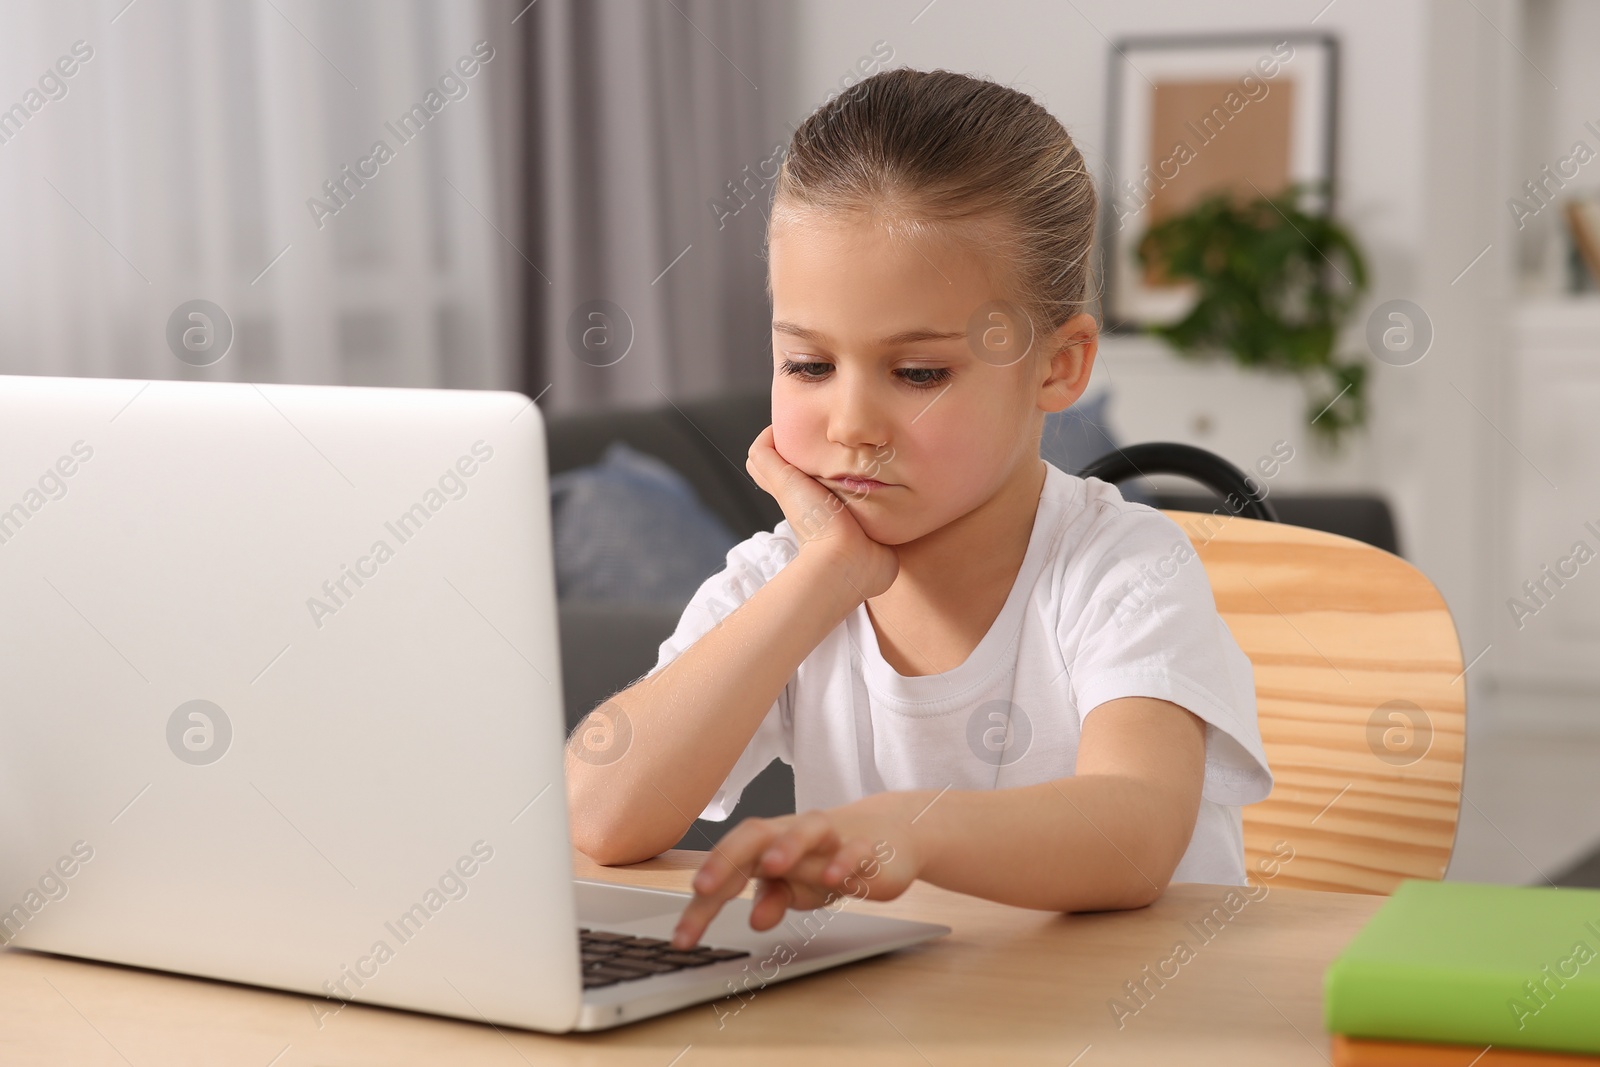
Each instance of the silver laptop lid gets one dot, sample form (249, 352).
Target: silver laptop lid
(282, 694)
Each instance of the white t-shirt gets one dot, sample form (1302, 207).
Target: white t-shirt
(1111, 601)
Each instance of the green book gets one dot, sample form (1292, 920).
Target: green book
(1463, 963)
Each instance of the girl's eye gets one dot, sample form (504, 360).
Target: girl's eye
(808, 371)
(815, 371)
(925, 377)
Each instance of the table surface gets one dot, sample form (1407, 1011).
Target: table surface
(1009, 985)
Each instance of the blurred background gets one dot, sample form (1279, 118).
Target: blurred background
(568, 198)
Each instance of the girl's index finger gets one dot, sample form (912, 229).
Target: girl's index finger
(722, 877)
(766, 849)
(700, 910)
(697, 915)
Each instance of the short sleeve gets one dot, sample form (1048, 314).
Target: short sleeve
(749, 565)
(1142, 621)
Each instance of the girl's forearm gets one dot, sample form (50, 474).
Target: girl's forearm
(1082, 843)
(689, 722)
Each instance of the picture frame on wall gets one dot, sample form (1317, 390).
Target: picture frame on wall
(1189, 116)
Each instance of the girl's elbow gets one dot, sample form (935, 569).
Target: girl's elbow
(1141, 891)
(612, 834)
(607, 853)
(607, 846)
(1145, 893)
(1144, 884)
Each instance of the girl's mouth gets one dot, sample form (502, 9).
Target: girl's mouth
(857, 484)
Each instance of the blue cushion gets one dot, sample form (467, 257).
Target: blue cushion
(1078, 436)
(630, 528)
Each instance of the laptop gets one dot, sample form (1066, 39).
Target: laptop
(282, 705)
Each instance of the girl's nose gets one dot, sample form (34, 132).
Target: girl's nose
(857, 418)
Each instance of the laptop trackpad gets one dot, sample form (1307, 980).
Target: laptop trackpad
(601, 904)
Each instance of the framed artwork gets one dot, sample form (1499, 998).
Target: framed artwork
(1191, 116)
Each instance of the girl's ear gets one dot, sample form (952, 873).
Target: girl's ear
(1075, 343)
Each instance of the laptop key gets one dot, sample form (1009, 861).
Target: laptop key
(607, 976)
(686, 959)
(625, 966)
(646, 966)
(603, 935)
(645, 942)
(718, 954)
(638, 954)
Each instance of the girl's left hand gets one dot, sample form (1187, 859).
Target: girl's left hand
(863, 849)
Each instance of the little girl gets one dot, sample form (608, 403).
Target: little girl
(986, 673)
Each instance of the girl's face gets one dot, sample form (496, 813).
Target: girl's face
(890, 365)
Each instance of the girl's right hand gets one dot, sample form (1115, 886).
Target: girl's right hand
(821, 521)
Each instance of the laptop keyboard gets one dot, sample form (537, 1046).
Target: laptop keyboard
(610, 958)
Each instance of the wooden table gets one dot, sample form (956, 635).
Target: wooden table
(1009, 986)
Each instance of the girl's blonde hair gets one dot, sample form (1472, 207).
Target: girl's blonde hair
(935, 150)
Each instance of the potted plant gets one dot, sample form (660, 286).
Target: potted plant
(1274, 285)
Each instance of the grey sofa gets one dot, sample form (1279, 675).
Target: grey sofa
(606, 646)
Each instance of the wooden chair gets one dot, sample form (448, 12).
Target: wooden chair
(1360, 691)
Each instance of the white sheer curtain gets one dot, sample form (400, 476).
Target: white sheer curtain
(178, 160)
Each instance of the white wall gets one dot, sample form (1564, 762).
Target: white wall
(1422, 182)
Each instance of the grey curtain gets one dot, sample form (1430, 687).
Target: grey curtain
(652, 130)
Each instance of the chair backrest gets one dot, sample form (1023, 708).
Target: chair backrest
(1361, 697)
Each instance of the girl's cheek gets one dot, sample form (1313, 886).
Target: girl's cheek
(796, 433)
(952, 443)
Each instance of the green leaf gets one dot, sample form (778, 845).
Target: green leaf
(1274, 286)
